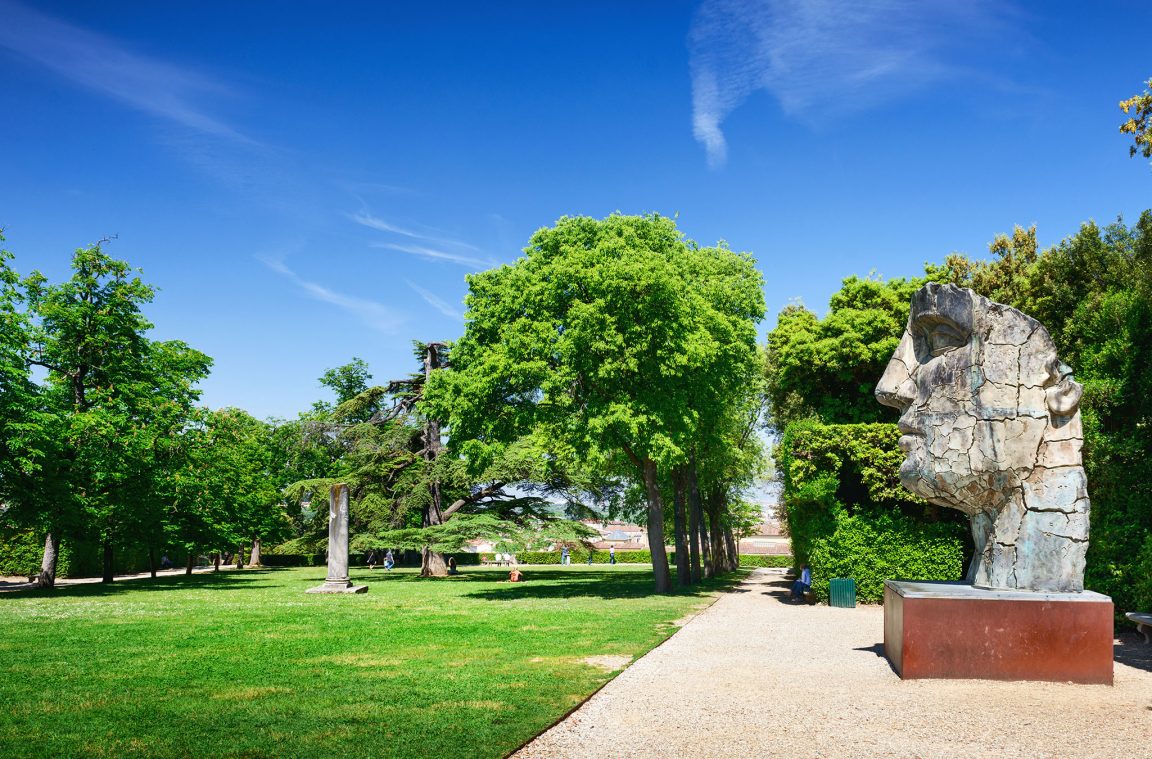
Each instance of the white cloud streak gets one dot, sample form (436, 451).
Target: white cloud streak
(841, 54)
(375, 315)
(437, 302)
(373, 222)
(106, 67)
(436, 255)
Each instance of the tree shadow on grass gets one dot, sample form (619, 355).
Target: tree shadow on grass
(248, 579)
(606, 584)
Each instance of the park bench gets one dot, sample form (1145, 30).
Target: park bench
(1143, 624)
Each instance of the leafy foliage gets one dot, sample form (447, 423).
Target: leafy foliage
(826, 368)
(1139, 125)
(848, 515)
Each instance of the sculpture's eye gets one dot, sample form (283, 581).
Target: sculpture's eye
(944, 337)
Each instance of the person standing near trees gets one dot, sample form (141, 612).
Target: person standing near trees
(565, 558)
(611, 554)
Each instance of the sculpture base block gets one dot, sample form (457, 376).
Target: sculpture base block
(338, 586)
(953, 630)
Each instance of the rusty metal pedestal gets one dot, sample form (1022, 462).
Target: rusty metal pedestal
(953, 630)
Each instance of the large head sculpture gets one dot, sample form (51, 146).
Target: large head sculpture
(990, 425)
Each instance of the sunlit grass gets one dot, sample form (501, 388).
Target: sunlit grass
(248, 664)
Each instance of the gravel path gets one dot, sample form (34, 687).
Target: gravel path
(754, 676)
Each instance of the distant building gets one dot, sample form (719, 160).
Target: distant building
(767, 539)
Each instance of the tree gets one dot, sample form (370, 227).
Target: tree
(826, 368)
(1139, 125)
(110, 397)
(607, 337)
(347, 382)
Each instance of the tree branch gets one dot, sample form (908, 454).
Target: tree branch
(479, 495)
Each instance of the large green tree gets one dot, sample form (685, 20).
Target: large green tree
(110, 398)
(612, 337)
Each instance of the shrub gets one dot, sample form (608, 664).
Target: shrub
(293, 559)
(580, 556)
(21, 553)
(849, 516)
(753, 561)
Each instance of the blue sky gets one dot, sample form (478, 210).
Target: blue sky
(307, 182)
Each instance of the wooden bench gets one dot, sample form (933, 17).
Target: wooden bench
(1143, 624)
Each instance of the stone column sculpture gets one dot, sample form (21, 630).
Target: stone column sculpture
(337, 581)
(991, 426)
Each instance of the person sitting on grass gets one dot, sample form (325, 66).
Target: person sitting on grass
(802, 585)
(515, 575)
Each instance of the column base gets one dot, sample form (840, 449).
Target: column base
(338, 586)
(954, 630)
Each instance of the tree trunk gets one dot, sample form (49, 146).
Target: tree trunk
(47, 576)
(107, 562)
(432, 564)
(732, 550)
(152, 561)
(191, 561)
(216, 562)
(656, 529)
(706, 545)
(694, 533)
(254, 559)
(715, 540)
(680, 527)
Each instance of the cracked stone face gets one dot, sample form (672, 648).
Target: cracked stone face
(990, 425)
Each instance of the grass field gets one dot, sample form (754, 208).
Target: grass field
(247, 664)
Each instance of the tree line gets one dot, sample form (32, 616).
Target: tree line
(611, 371)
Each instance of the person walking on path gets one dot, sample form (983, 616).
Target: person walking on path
(611, 554)
(371, 560)
(564, 557)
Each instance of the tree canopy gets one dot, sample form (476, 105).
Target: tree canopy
(617, 339)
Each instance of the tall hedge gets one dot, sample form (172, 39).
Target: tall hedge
(849, 516)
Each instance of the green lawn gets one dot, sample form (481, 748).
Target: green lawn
(248, 664)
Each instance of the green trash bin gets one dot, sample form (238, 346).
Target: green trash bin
(842, 592)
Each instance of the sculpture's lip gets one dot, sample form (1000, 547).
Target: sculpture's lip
(905, 441)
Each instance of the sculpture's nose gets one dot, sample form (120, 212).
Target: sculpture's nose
(897, 388)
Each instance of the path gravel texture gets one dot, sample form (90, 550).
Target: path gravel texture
(756, 676)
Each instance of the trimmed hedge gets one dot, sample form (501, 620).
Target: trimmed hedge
(580, 556)
(753, 561)
(849, 516)
(358, 559)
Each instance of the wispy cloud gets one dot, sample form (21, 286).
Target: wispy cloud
(438, 303)
(375, 315)
(372, 222)
(844, 53)
(436, 255)
(105, 66)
